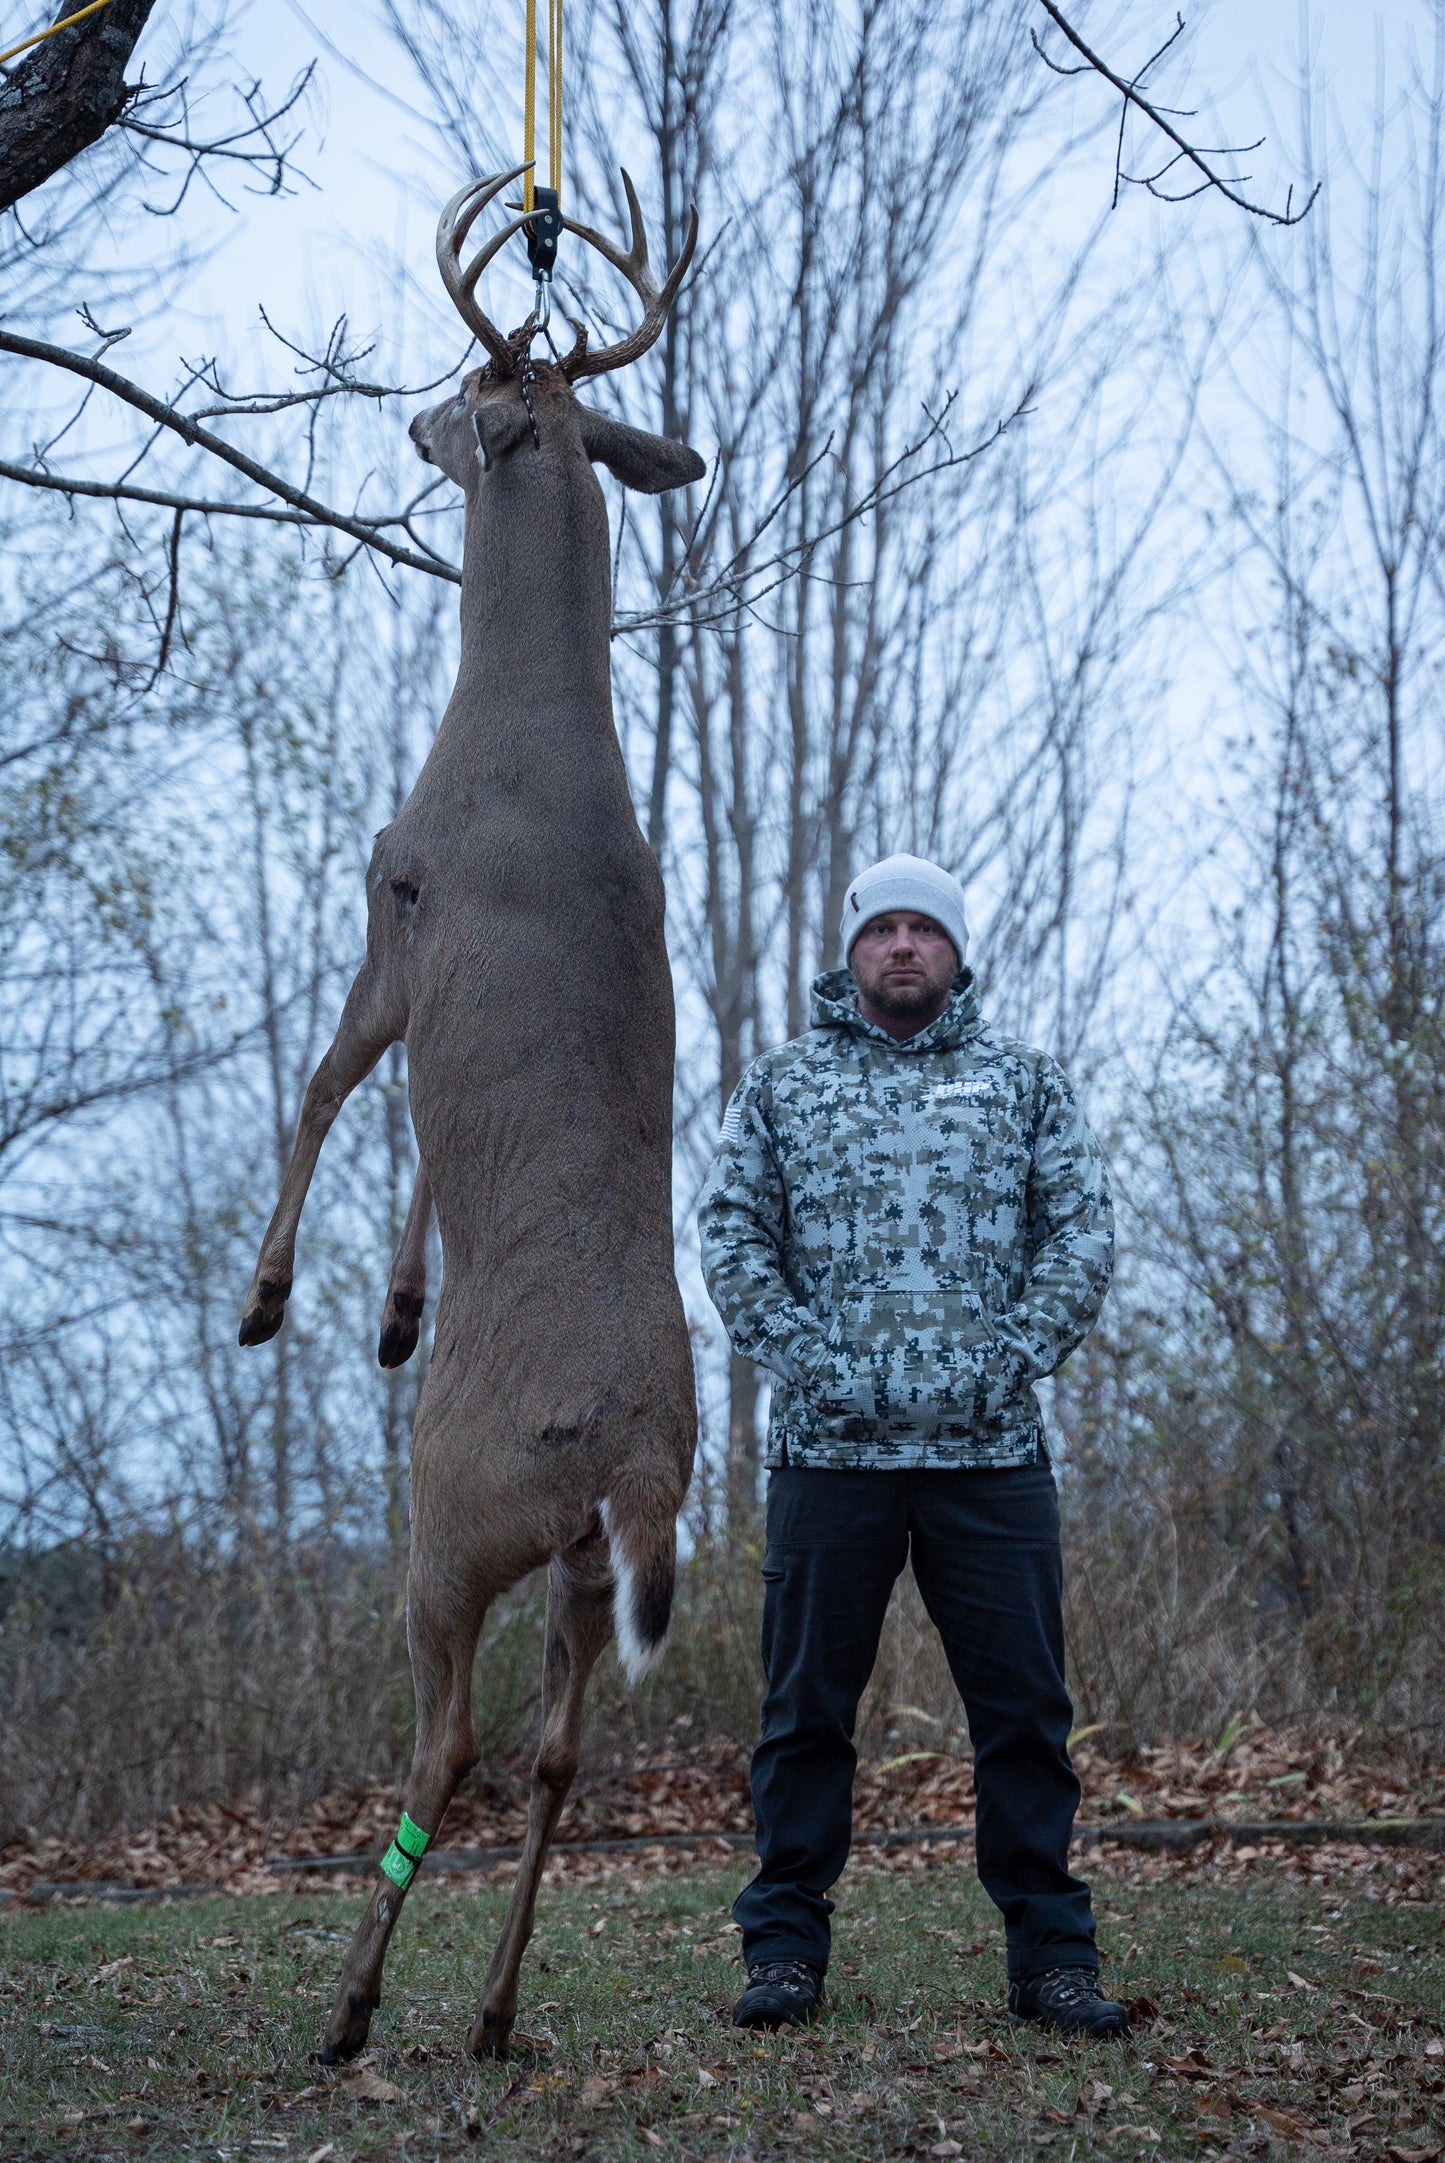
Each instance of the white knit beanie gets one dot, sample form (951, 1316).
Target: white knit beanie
(905, 882)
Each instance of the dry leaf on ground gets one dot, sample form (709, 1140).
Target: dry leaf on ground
(369, 2086)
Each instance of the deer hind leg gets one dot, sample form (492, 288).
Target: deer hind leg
(406, 1286)
(579, 1623)
(362, 1035)
(442, 1633)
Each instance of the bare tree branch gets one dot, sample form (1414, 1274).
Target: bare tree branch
(742, 585)
(256, 147)
(1162, 117)
(369, 532)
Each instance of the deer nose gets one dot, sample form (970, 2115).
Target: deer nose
(420, 436)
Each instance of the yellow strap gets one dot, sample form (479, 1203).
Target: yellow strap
(529, 98)
(64, 24)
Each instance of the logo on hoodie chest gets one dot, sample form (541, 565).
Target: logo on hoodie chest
(966, 1089)
(933, 1121)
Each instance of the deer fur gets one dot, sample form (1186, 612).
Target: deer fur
(515, 944)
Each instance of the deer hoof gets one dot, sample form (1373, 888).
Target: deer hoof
(400, 1329)
(347, 2029)
(490, 2035)
(265, 1312)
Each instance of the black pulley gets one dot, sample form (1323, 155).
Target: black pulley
(543, 230)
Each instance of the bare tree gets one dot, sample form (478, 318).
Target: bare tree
(1296, 1176)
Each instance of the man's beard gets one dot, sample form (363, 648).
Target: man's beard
(902, 1001)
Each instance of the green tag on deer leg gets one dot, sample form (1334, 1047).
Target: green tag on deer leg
(406, 1851)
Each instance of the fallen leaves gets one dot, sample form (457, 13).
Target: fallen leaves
(1192, 2066)
(1263, 1773)
(365, 2085)
(1293, 2124)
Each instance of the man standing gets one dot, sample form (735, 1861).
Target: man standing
(908, 1221)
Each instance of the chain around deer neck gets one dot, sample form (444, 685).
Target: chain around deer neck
(529, 377)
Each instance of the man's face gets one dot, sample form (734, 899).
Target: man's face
(904, 966)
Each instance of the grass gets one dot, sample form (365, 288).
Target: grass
(186, 2031)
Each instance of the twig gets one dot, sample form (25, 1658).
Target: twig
(1185, 152)
(173, 603)
(163, 499)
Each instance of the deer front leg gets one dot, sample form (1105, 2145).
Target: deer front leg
(361, 1037)
(579, 1623)
(406, 1286)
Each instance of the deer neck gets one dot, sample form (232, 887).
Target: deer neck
(536, 617)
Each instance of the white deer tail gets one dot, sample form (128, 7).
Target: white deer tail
(643, 1543)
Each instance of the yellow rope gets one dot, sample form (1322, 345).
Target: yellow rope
(529, 105)
(554, 92)
(65, 23)
(529, 98)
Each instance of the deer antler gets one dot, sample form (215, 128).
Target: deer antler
(635, 269)
(453, 226)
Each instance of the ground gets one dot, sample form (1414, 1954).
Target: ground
(1290, 2006)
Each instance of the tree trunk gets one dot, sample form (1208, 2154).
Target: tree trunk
(64, 95)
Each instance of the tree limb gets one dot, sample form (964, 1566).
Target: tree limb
(1185, 152)
(365, 530)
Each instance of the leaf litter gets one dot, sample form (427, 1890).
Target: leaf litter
(1251, 1774)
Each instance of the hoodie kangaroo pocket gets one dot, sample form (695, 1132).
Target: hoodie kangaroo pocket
(909, 1362)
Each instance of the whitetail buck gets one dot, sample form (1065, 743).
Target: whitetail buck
(515, 942)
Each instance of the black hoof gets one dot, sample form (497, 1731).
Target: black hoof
(264, 1317)
(347, 2030)
(400, 1329)
(491, 2035)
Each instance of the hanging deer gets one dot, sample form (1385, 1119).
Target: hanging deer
(515, 944)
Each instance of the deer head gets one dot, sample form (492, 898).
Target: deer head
(489, 417)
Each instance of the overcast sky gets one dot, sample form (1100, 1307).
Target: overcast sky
(370, 195)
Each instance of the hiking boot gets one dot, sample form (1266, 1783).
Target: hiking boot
(780, 1994)
(1070, 2000)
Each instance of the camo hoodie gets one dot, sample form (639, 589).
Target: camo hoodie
(909, 1235)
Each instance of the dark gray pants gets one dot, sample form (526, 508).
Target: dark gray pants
(985, 1551)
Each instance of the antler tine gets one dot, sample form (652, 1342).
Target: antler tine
(636, 270)
(453, 226)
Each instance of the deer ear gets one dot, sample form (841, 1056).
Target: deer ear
(499, 429)
(641, 461)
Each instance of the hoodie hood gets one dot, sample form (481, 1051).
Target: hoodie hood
(835, 1006)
